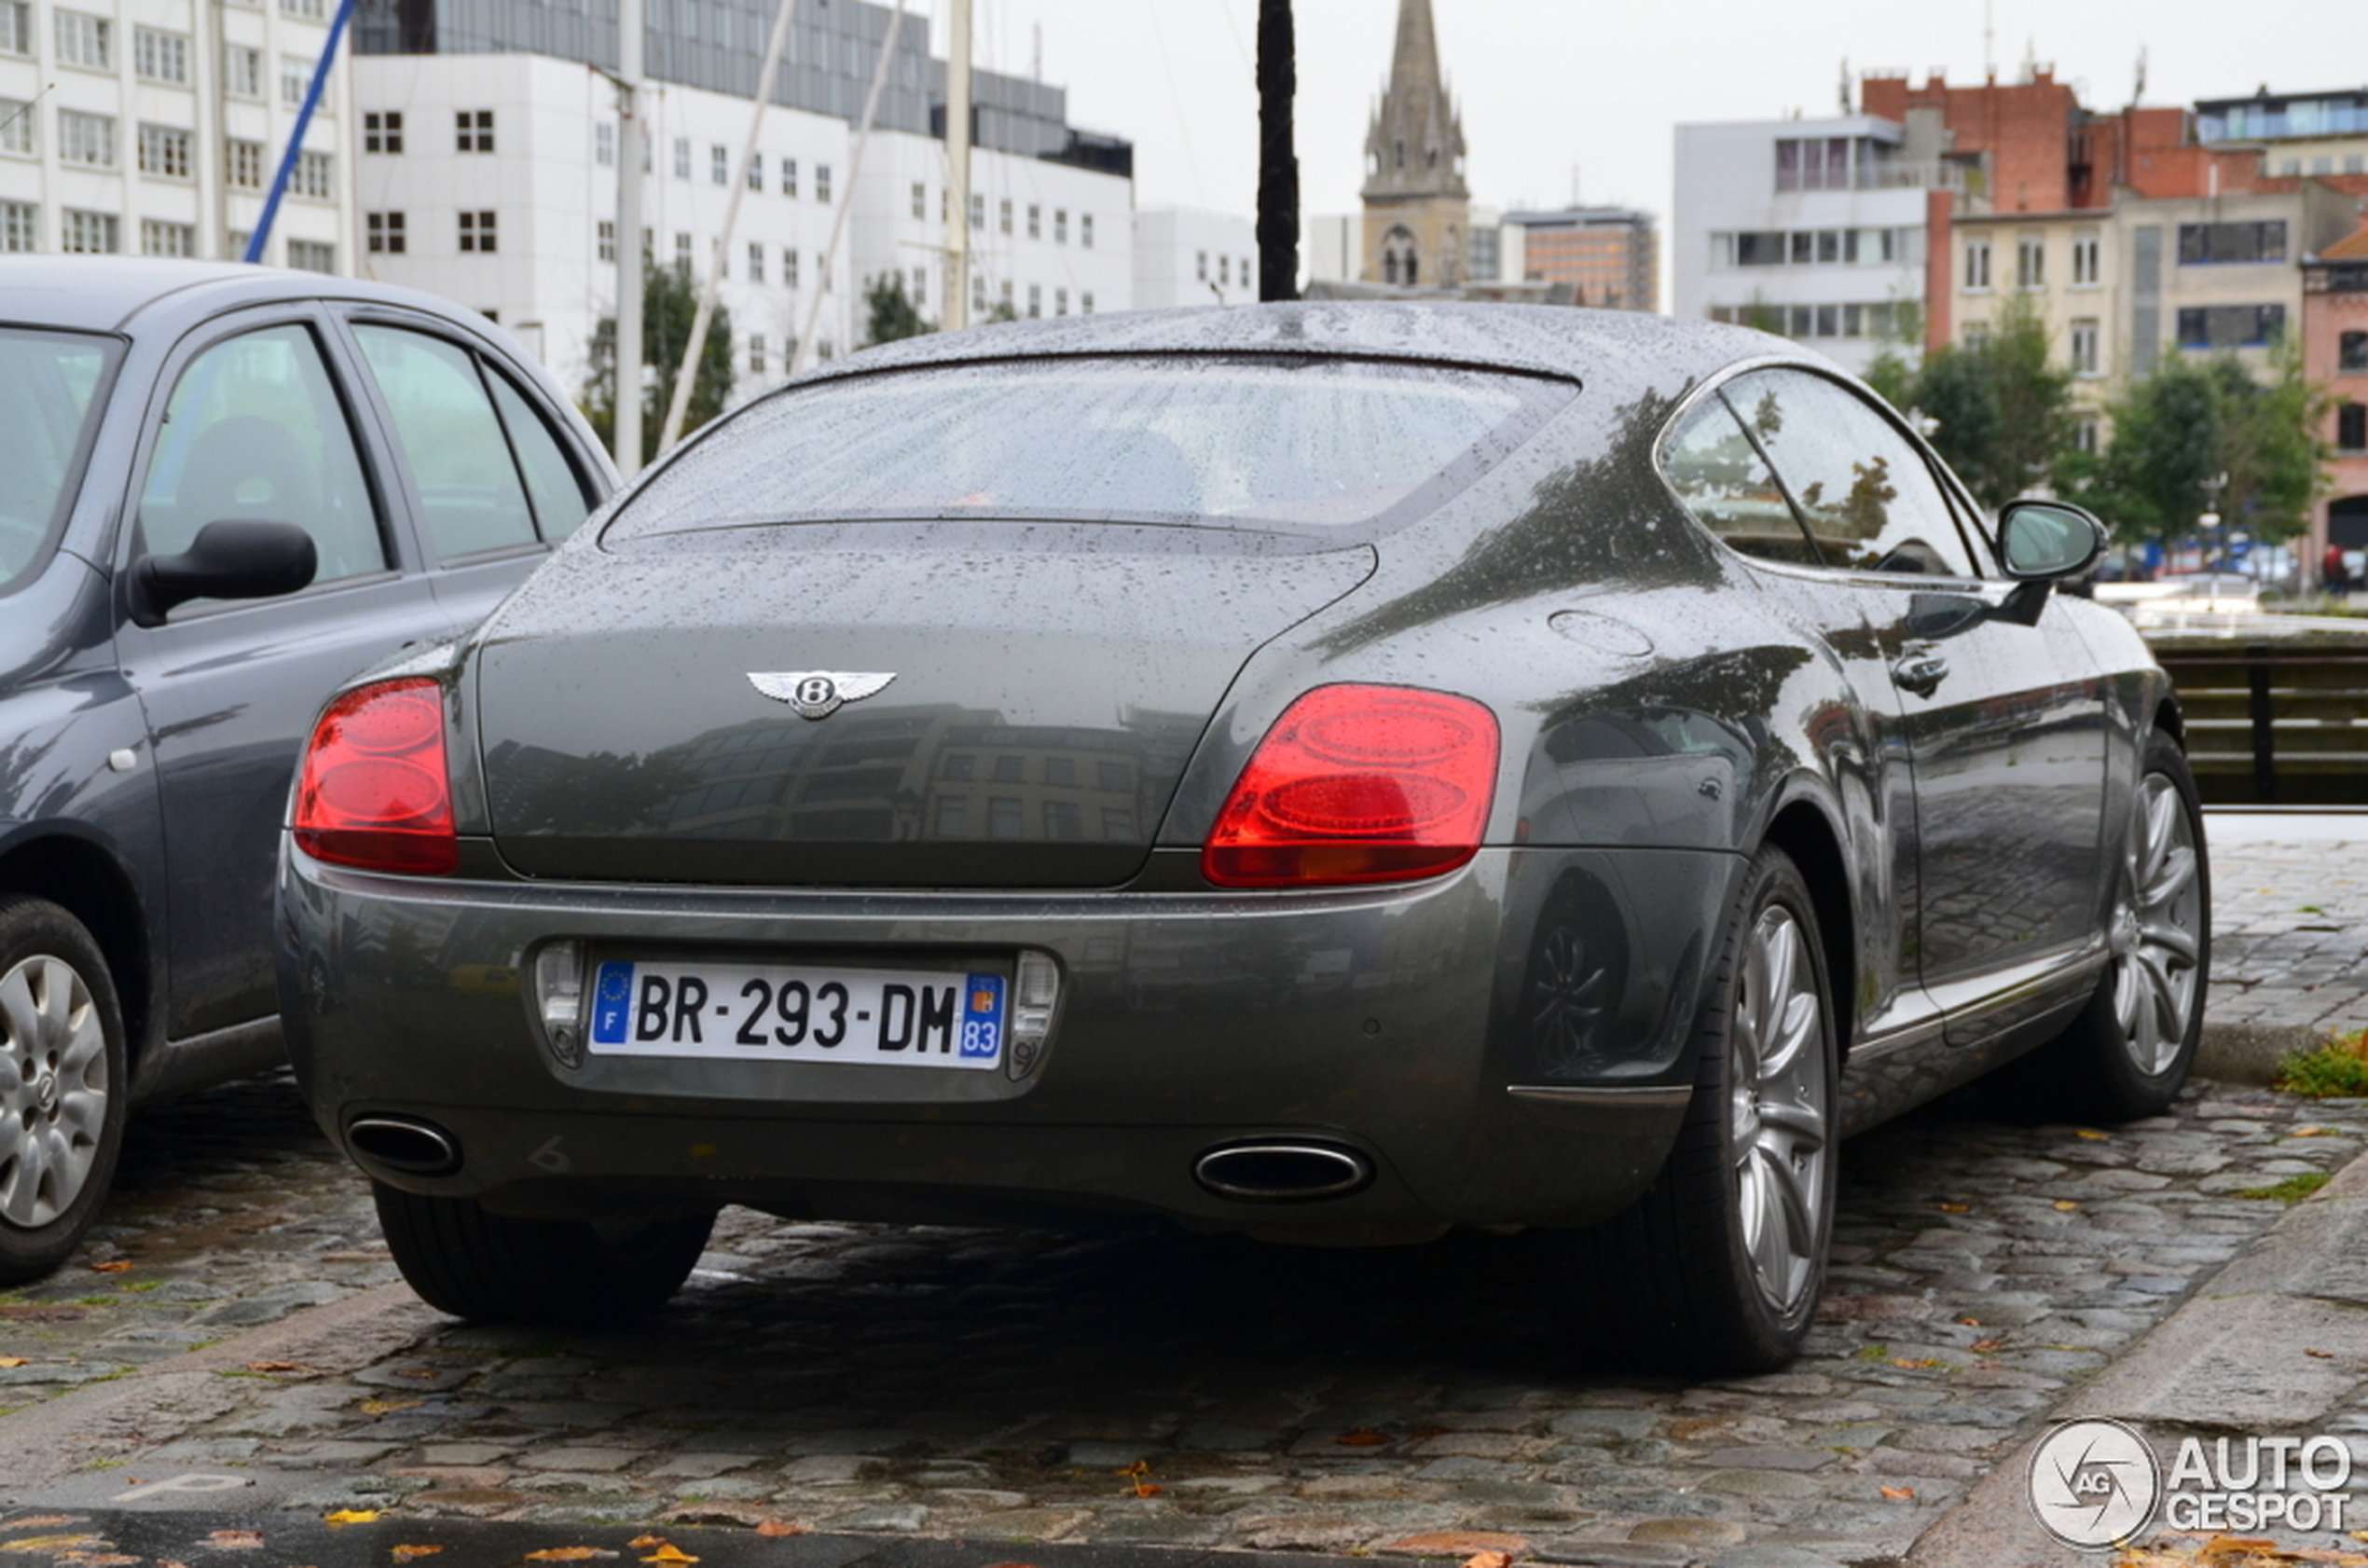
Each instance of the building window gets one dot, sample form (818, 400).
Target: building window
(383, 233)
(317, 10)
(1224, 272)
(1035, 300)
(16, 32)
(978, 296)
(17, 123)
(1976, 334)
(383, 132)
(1060, 302)
(166, 239)
(1086, 303)
(2351, 351)
(295, 76)
(160, 56)
(1085, 230)
(1007, 295)
(788, 176)
(89, 233)
(241, 71)
(477, 232)
(311, 255)
(789, 268)
(1060, 225)
(756, 262)
(2084, 347)
(2086, 271)
(2212, 244)
(756, 353)
(719, 164)
(920, 285)
(86, 41)
(164, 150)
(86, 139)
(243, 162)
(2088, 435)
(604, 144)
(1003, 211)
(605, 240)
(19, 226)
(1035, 221)
(315, 178)
(1812, 163)
(1977, 266)
(920, 200)
(756, 173)
(473, 131)
(682, 253)
(2231, 326)
(978, 212)
(2351, 427)
(822, 182)
(1200, 267)
(2031, 262)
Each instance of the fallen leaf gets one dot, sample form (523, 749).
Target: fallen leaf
(171, 1563)
(1145, 1489)
(2090, 1133)
(97, 1558)
(388, 1407)
(1361, 1437)
(2312, 1133)
(779, 1527)
(1970, 1322)
(25, 1360)
(1986, 1346)
(273, 1366)
(643, 1543)
(1954, 1208)
(418, 1371)
(1421, 1432)
(51, 1543)
(1899, 1493)
(1907, 1365)
(2066, 1204)
(349, 1516)
(405, 1553)
(1489, 1560)
(116, 1267)
(567, 1554)
(2322, 1354)
(234, 1540)
(668, 1553)
(40, 1521)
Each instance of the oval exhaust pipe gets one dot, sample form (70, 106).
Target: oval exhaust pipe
(406, 1144)
(1282, 1173)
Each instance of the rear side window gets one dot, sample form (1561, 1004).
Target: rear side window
(1296, 445)
(1719, 473)
(49, 401)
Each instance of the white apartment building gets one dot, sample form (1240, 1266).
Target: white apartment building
(1189, 255)
(1814, 229)
(156, 127)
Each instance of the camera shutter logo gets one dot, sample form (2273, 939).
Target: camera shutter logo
(2094, 1483)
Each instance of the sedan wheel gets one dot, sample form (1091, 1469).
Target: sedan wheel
(1717, 1269)
(62, 1085)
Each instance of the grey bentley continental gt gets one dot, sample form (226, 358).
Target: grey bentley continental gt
(1329, 771)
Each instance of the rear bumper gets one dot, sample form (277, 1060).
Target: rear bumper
(1394, 1026)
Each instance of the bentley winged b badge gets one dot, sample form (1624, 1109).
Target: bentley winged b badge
(817, 694)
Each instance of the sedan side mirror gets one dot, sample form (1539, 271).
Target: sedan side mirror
(2039, 540)
(229, 558)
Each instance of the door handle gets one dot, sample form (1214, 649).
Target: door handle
(1920, 673)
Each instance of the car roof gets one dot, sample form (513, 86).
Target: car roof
(112, 292)
(1619, 353)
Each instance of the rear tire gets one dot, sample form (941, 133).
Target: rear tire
(493, 1268)
(65, 1081)
(2127, 1053)
(1717, 1269)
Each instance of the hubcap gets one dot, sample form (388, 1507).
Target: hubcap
(53, 1088)
(1780, 1112)
(1566, 1001)
(2157, 929)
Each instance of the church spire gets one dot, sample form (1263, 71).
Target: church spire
(1415, 146)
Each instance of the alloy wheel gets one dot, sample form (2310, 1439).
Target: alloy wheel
(1780, 1110)
(2154, 931)
(53, 1088)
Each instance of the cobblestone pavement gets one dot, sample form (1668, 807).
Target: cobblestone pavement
(1152, 1388)
(2290, 935)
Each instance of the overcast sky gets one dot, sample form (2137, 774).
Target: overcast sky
(1564, 94)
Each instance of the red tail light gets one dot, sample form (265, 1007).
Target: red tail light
(374, 791)
(1359, 784)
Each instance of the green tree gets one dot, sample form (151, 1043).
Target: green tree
(2270, 446)
(1896, 367)
(2201, 435)
(2004, 408)
(892, 314)
(669, 302)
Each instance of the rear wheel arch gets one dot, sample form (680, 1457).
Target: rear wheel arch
(1804, 832)
(87, 881)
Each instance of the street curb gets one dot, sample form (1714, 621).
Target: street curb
(2250, 1052)
(2266, 1346)
(156, 1403)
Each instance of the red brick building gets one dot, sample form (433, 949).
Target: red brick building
(2334, 355)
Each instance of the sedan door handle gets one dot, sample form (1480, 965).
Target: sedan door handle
(1921, 673)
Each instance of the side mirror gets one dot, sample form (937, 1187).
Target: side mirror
(228, 560)
(2039, 540)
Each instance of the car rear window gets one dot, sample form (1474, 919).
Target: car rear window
(49, 399)
(1298, 444)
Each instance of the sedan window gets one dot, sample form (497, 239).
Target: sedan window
(1719, 475)
(254, 431)
(48, 385)
(471, 495)
(1866, 494)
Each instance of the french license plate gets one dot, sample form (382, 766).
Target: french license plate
(765, 1012)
